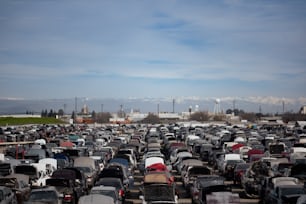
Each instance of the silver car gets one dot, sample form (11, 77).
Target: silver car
(7, 196)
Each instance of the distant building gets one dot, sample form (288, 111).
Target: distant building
(169, 116)
(136, 116)
(303, 110)
(85, 110)
(274, 120)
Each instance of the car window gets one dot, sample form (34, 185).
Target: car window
(1, 195)
(42, 195)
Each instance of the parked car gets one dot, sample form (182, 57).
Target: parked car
(36, 172)
(48, 195)
(199, 183)
(88, 166)
(90, 174)
(223, 198)
(67, 188)
(113, 182)
(283, 190)
(211, 189)
(95, 199)
(108, 191)
(19, 183)
(116, 171)
(239, 171)
(7, 196)
(35, 154)
(70, 182)
(158, 188)
(252, 179)
(192, 173)
(206, 152)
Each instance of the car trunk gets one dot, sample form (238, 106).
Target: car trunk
(62, 185)
(159, 193)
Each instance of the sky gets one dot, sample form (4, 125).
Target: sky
(141, 49)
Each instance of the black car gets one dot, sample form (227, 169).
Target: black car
(70, 182)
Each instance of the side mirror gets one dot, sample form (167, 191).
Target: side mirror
(141, 197)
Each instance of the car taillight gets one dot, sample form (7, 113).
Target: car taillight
(285, 154)
(68, 198)
(121, 193)
(195, 195)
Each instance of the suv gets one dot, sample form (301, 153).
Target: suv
(48, 195)
(70, 182)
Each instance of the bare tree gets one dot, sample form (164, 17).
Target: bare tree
(151, 119)
(200, 116)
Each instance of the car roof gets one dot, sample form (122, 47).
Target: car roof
(96, 199)
(109, 188)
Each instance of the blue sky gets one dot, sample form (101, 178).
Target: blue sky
(174, 48)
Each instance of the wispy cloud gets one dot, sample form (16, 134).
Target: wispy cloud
(196, 42)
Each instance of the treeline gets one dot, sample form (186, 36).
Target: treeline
(51, 113)
(249, 116)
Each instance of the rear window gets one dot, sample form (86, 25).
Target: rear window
(276, 149)
(113, 183)
(43, 195)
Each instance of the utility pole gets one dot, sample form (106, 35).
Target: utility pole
(65, 106)
(101, 108)
(76, 106)
(173, 103)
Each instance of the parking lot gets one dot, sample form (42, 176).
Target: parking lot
(170, 163)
